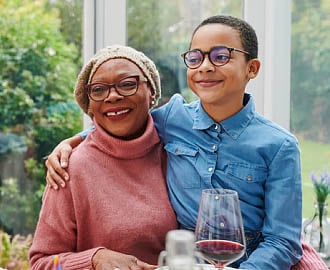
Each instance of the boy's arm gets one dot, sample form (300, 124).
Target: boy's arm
(57, 161)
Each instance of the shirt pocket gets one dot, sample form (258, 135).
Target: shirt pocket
(248, 173)
(182, 161)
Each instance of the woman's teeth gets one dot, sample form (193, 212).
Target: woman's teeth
(117, 113)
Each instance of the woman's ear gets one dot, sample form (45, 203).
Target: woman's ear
(152, 97)
(254, 67)
(152, 101)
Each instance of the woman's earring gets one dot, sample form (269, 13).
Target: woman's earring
(152, 102)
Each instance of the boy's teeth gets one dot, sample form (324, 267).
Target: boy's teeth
(117, 113)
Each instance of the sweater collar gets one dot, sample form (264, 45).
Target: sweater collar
(125, 149)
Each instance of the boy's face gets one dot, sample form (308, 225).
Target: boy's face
(220, 88)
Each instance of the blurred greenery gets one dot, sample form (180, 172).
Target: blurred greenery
(174, 22)
(39, 62)
(14, 251)
(310, 61)
(315, 158)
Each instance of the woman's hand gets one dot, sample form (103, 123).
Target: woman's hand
(58, 161)
(105, 259)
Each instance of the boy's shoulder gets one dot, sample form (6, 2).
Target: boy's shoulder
(273, 129)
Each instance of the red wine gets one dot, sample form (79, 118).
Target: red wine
(221, 252)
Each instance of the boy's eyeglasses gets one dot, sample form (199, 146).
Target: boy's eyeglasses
(218, 56)
(127, 86)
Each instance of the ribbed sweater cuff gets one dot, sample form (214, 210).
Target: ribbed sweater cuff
(82, 260)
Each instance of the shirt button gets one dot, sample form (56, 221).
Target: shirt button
(214, 147)
(216, 127)
(210, 169)
(249, 178)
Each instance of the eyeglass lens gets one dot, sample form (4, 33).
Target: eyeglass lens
(125, 87)
(218, 56)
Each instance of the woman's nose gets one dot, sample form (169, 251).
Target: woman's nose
(113, 95)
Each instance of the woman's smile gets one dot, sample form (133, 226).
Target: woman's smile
(114, 112)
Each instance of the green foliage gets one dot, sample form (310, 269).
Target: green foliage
(321, 186)
(34, 56)
(38, 69)
(22, 206)
(14, 251)
(314, 156)
(70, 13)
(11, 98)
(310, 61)
(63, 119)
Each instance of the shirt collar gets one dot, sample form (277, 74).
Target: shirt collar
(233, 125)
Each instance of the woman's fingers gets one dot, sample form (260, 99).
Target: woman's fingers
(105, 259)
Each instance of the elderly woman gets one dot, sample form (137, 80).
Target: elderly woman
(116, 212)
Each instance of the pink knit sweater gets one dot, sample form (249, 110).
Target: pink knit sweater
(116, 198)
(310, 259)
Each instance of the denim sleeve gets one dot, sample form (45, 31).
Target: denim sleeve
(83, 134)
(160, 115)
(281, 230)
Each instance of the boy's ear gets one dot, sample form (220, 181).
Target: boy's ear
(254, 67)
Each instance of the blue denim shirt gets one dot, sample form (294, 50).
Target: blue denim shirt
(246, 153)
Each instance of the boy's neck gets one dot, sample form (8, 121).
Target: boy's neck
(221, 111)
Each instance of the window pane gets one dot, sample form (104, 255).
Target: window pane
(162, 29)
(310, 91)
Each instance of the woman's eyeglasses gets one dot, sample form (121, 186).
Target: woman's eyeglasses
(218, 56)
(127, 86)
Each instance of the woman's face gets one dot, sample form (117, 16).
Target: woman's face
(124, 117)
(219, 86)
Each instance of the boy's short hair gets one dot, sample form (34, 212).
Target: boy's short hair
(247, 33)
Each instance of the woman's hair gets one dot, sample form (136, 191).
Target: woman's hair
(142, 61)
(246, 32)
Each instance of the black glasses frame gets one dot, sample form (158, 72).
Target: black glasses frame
(138, 78)
(230, 50)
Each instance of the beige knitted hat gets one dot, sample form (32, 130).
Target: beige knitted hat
(116, 51)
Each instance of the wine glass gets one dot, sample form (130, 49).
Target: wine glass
(219, 230)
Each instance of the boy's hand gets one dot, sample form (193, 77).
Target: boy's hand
(58, 161)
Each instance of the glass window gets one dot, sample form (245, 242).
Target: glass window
(310, 90)
(162, 29)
